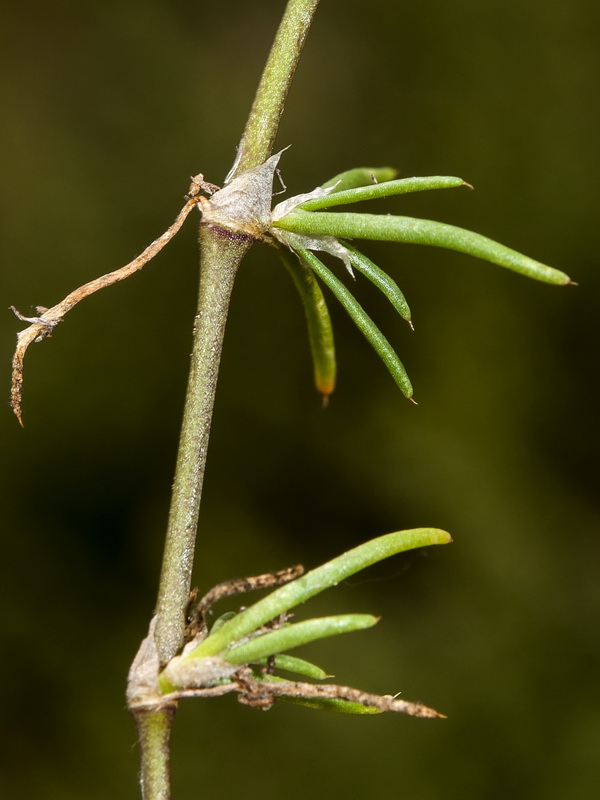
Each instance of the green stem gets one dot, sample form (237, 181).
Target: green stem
(220, 253)
(261, 129)
(154, 730)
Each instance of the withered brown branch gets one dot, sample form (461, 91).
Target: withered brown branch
(269, 580)
(313, 691)
(262, 694)
(43, 325)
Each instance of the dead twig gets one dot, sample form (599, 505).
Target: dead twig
(268, 580)
(263, 693)
(43, 325)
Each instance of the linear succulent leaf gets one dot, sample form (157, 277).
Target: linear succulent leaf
(291, 636)
(386, 189)
(295, 664)
(382, 280)
(317, 580)
(320, 330)
(418, 231)
(361, 176)
(363, 322)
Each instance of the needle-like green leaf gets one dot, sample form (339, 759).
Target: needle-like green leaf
(220, 621)
(313, 582)
(382, 280)
(361, 176)
(320, 330)
(418, 231)
(297, 665)
(363, 322)
(373, 191)
(291, 636)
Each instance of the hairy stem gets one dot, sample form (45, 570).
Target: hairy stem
(221, 253)
(261, 129)
(154, 730)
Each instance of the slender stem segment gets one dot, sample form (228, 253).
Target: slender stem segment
(154, 730)
(261, 129)
(221, 253)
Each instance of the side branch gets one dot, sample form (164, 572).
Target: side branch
(262, 692)
(43, 325)
(256, 690)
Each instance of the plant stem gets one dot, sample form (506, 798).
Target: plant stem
(261, 129)
(221, 252)
(154, 730)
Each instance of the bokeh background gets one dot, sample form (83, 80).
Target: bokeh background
(106, 110)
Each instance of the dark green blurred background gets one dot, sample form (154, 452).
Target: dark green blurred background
(106, 110)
